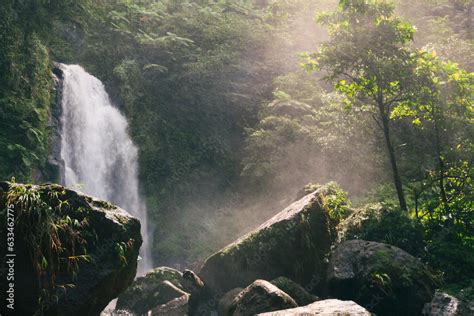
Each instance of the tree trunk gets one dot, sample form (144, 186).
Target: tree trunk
(393, 161)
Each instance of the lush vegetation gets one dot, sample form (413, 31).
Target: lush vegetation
(236, 105)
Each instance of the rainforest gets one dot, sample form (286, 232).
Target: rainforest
(236, 157)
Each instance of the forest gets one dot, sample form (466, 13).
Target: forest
(236, 109)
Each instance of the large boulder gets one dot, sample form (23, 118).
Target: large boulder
(150, 291)
(293, 243)
(326, 308)
(296, 291)
(382, 278)
(259, 297)
(74, 253)
(444, 304)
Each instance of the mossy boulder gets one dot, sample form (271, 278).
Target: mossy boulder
(259, 297)
(382, 278)
(293, 243)
(148, 292)
(74, 253)
(296, 291)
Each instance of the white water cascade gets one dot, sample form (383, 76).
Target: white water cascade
(100, 158)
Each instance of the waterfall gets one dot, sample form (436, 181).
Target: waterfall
(99, 156)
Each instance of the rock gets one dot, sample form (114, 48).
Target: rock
(444, 304)
(226, 301)
(175, 307)
(325, 307)
(296, 291)
(259, 297)
(79, 251)
(146, 293)
(382, 278)
(294, 244)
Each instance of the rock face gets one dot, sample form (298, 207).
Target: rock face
(444, 304)
(296, 291)
(261, 296)
(63, 237)
(293, 244)
(150, 291)
(326, 308)
(382, 278)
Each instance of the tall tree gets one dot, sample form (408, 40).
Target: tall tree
(368, 59)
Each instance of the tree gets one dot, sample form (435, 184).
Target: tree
(444, 107)
(369, 61)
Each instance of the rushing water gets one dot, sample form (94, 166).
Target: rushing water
(100, 158)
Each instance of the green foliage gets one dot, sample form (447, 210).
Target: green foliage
(381, 224)
(443, 115)
(369, 61)
(24, 106)
(337, 203)
(190, 76)
(26, 82)
(308, 135)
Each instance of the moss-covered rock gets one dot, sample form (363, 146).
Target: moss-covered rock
(294, 244)
(74, 253)
(296, 291)
(259, 297)
(147, 292)
(382, 278)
